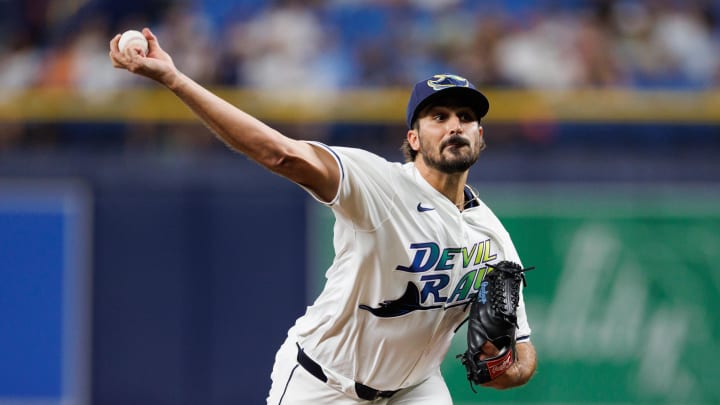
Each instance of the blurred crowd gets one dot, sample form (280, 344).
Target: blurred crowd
(342, 44)
(333, 44)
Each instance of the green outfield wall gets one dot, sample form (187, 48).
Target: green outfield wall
(624, 300)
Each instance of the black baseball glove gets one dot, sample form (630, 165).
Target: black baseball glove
(493, 319)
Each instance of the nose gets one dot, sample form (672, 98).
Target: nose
(454, 124)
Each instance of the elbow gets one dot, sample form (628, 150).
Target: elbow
(278, 162)
(282, 162)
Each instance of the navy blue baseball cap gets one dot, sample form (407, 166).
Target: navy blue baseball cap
(426, 90)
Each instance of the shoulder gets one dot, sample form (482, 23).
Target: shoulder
(344, 153)
(361, 163)
(356, 154)
(483, 214)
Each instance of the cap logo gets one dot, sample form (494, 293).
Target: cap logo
(439, 82)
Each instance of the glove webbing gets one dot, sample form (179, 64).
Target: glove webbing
(496, 304)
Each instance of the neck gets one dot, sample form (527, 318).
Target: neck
(451, 185)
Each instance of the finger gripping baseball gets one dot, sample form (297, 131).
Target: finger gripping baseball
(493, 318)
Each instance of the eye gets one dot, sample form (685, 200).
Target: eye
(466, 116)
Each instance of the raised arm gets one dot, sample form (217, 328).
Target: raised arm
(301, 162)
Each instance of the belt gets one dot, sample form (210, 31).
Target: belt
(362, 390)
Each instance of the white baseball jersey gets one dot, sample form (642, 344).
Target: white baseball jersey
(407, 261)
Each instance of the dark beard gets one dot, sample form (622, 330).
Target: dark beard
(457, 164)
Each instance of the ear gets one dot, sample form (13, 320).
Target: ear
(413, 140)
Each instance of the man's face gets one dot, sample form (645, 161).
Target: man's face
(449, 136)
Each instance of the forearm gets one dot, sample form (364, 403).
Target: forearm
(295, 160)
(521, 371)
(239, 130)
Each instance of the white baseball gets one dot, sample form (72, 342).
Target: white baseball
(133, 38)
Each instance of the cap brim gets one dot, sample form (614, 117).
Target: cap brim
(473, 98)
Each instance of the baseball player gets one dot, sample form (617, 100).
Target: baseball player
(412, 244)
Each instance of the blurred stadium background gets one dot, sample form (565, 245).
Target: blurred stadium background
(141, 262)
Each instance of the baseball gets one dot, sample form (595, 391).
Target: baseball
(133, 38)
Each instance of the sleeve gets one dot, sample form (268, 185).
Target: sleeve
(523, 331)
(365, 195)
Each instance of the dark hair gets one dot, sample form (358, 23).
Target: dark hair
(407, 150)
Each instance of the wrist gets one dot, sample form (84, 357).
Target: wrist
(172, 80)
(516, 374)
